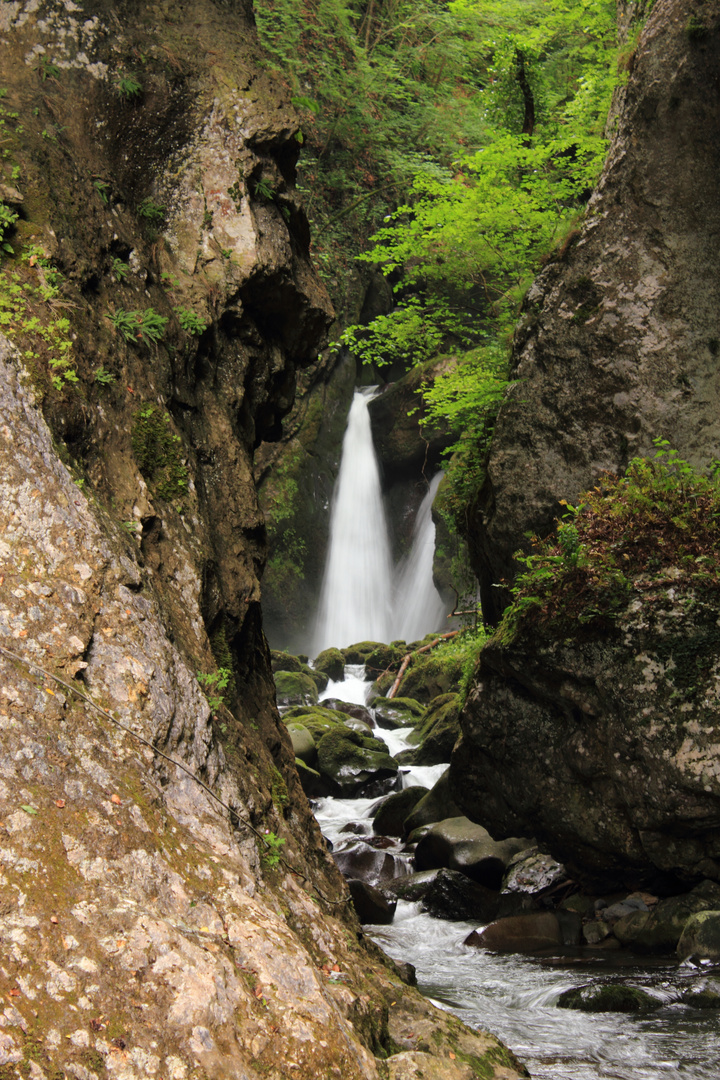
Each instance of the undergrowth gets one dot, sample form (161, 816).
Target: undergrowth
(660, 522)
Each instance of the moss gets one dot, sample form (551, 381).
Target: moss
(696, 30)
(158, 452)
(613, 997)
(278, 790)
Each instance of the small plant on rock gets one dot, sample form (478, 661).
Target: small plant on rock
(147, 325)
(272, 854)
(190, 321)
(213, 685)
(127, 84)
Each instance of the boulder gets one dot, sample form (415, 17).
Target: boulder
(535, 932)
(390, 815)
(371, 905)
(612, 997)
(437, 805)
(385, 658)
(452, 895)
(529, 876)
(412, 886)
(317, 719)
(285, 661)
(357, 859)
(311, 781)
(428, 676)
(353, 763)
(462, 845)
(700, 938)
(359, 652)
(348, 708)
(438, 730)
(303, 743)
(396, 712)
(295, 688)
(659, 930)
(332, 663)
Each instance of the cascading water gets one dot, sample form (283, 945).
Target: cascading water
(357, 586)
(358, 601)
(419, 607)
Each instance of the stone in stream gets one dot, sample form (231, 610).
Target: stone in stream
(353, 764)
(396, 712)
(303, 743)
(332, 663)
(348, 708)
(701, 937)
(359, 652)
(437, 731)
(536, 932)
(659, 930)
(365, 863)
(612, 997)
(295, 688)
(412, 887)
(371, 904)
(461, 844)
(529, 876)
(389, 817)
(452, 895)
(437, 805)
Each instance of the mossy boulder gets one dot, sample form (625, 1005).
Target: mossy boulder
(430, 675)
(385, 658)
(359, 652)
(660, 930)
(612, 997)
(317, 719)
(352, 762)
(396, 712)
(295, 688)
(303, 743)
(285, 661)
(390, 815)
(438, 730)
(701, 937)
(331, 662)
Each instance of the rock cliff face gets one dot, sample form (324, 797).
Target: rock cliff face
(618, 343)
(150, 927)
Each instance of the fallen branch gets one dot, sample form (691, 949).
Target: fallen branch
(408, 657)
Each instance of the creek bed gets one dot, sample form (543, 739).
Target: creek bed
(515, 996)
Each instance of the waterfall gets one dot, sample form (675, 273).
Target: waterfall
(357, 585)
(418, 607)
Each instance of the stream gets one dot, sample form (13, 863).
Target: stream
(515, 996)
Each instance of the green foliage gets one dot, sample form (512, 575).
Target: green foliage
(273, 849)
(151, 212)
(147, 325)
(190, 321)
(46, 69)
(127, 84)
(102, 187)
(158, 452)
(214, 684)
(120, 270)
(104, 377)
(662, 515)
(30, 316)
(263, 190)
(8, 217)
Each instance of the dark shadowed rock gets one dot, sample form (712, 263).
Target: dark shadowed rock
(389, 818)
(659, 930)
(438, 804)
(610, 998)
(371, 905)
(359, 860)
(348, 708)
(412, 886)
(452, 895)
(700, 938)
(462, 845)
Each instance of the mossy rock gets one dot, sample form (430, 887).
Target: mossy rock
(382, 684)
(332, 663)
(428, 676)
(318, 677)
(303, 743)
(438, 730)
(359, 652)
(701, 999)
(701, 937)
(310, 780)
(317, 719)
(397, 712)
(613, 997)
(295, 688)
(351, 761)
(385, 658)
(285, 661)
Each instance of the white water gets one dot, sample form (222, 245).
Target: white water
(356, 590)
(418, 606)
(359, 600)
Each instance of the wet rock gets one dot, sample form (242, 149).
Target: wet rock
(285, 661)
(348, 708)
(659, 930)
(390, 815)
(529, 877)
(359, 652)
(530, 933)
(353, 763)
(452, 895)
(359, 860)
(371, 905)
(703, 998)
(462, 845)
(317, 719)
(386, 658)
(303, 743)
(700, 938)
(609, 998)
(412, 886)
(428, 677)
(295, 688)
(437, 805)
(332, 663)
(312, 783)
(596, 931)
(397, 712)
(437, 731)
